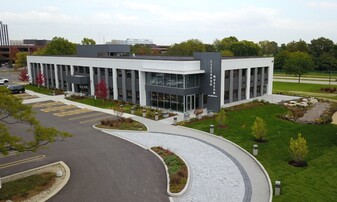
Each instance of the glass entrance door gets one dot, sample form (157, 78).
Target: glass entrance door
(190, 103)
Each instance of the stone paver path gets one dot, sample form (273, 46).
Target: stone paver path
(315, 112)
(214, 176)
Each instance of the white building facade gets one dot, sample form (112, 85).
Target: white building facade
(178, 83)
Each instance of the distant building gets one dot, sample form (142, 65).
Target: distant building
(8, 52)
(132, 42)
(4, 40)
(138, 41)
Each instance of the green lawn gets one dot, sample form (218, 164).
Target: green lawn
(317, 182)
(304, 89)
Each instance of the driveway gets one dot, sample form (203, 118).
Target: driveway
(103, 167)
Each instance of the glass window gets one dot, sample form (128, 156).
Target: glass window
(128, 73)
(173, 80)
(110, 72)
(119, 72)
(95, 71)
(129, 94)
(81, 69)
(102, 71)
(180, 82)
(87, 71)
(120, 93)
(137, 74)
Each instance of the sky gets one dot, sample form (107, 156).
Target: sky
(166, 22)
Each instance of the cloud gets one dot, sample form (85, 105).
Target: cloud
(323, 4)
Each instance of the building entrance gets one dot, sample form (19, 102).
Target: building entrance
(190, 102)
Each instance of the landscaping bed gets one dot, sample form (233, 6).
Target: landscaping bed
(24, 188)
(177, 169)
(316, 182)
(122, 106)
(121, 123)
(44, 90)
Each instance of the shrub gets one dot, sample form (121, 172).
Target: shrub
(221, 118)
(259, 129)
(298, 148)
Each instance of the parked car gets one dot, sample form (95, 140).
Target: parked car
(3, 81)
(16, 89)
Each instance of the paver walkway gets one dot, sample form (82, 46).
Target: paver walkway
(214, 176)
(314, 113)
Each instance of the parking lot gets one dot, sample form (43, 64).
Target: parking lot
(71, 112)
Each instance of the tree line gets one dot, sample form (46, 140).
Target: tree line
(320, 54)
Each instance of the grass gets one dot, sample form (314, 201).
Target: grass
(27, 187)
(317, 182)
(176, 168)
(43, 90)
(303, 89)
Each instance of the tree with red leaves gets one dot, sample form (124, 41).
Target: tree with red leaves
(40, 79)
(101, 90)
(24, 75)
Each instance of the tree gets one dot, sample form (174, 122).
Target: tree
(12, 112)
(101, 91)
(298, 63)
(87, 41)
(319, 46)
(186, 48)
(281, 58)
(24, 75)
(296, 46)
(299, 149)
(326, 62)
(141, 49)
(209, 48)
(268, 48)
(227, 53)
(40, 79)
(225, 43)
(259, 130)
(221, 118)
(58, 46)
(244, 48)
(21, 59)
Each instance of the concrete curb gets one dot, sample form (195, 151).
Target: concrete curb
(245, 151)
(54, 191)
(182, 192)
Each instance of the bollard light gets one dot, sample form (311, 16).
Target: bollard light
(277, 188)
(255, 149)
(211, 129)
(59, 173)
(156, 116)
(132, 110)
(174, 120)
(144, 113)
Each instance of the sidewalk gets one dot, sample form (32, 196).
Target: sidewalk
(257, 182)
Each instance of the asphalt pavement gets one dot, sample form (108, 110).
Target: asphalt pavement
(103, 167)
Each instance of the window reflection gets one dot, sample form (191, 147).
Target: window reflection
(173, 80)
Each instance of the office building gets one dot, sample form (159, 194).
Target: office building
(205, 80)
(4, 40)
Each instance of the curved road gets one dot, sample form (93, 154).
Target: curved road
(103, 167)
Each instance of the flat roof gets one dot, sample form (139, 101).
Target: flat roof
(154, 57)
